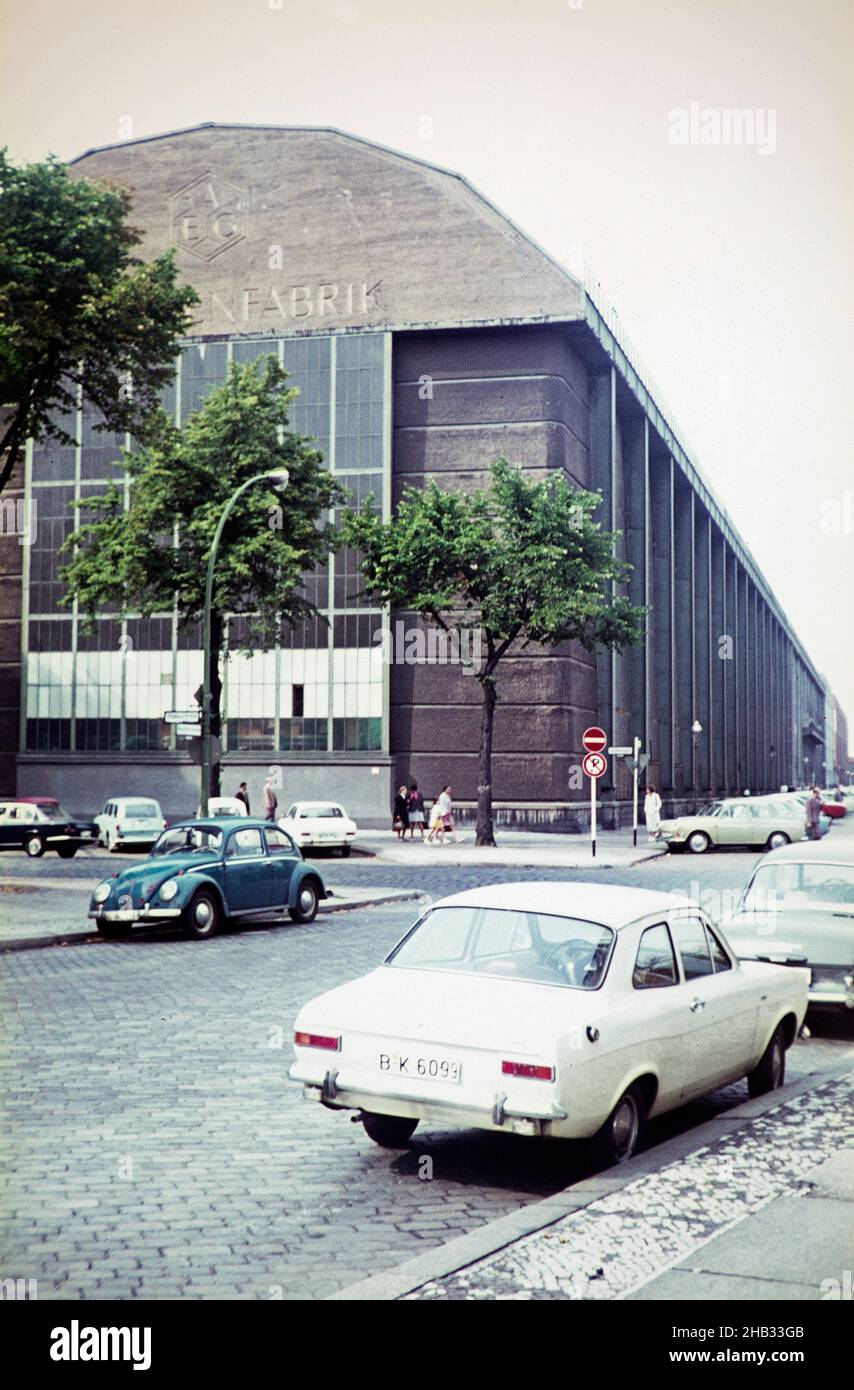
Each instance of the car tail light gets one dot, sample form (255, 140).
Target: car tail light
(528, 1069)
(323, 1040)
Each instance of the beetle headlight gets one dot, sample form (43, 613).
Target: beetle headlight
(102, 892)
(169, 889)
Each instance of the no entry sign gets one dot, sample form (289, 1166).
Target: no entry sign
(594, 764)
(594, 740)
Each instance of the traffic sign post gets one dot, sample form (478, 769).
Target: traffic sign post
(182, 716)
(595, 765)
(635, 766)
(594, 739)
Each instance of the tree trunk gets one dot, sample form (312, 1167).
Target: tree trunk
(485, 834)
(216, 702)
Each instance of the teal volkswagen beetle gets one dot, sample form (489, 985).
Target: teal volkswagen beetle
(202, 873)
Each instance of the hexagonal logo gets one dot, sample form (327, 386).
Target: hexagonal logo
(208, 216)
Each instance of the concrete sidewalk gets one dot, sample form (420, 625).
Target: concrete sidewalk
(614, 849)
(758, 1203)
(17, 938)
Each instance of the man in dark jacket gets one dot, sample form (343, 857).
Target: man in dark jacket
(814, 815)
(243, 795)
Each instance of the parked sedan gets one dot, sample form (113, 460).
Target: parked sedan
(558, 1009)
(128, 821)
(35, 824)
(798, 909)
(225, 806)
(748, 820)
(320, 825)
(202, 873)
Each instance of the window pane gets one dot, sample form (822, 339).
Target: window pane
(656, 963)
(693, 947)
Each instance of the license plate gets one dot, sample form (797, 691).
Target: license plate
(327, 835)
(420, 1068)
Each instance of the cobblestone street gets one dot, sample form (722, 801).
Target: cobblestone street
(153, 1145)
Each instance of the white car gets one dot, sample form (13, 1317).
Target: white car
(129, 820)
(320, 825)
(557, 1009)
(224, 806)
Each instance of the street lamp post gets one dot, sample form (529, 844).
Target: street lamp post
(696, 732)
(279, 478)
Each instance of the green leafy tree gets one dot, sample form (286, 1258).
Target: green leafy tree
(77, 309)
(521, 562)
(142, 558)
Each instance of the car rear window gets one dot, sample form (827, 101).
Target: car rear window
(142, 810)
(514, 944)
(320, 812)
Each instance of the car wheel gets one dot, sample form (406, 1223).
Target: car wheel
(306, 904)
(769, 1074)
(34, 847)
(777, 840)
(698, 842)
(617, 1140)
(111, 930)
(389, 1131)
(67, 851)
(345, 851)
(202, 916)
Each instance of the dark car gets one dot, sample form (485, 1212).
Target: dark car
(206, 871)
(37, 823)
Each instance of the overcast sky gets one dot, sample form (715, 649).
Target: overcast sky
(730, 265)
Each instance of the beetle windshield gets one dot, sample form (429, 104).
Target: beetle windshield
(533, 946)
(189, 839)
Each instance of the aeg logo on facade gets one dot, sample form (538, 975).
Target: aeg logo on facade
(208, 216)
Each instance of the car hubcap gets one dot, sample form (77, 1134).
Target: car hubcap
(306, 900)
(624, 1127)
(203, 914)
(32, 847)
(697, 844)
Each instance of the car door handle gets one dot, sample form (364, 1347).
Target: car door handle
(697, 1004)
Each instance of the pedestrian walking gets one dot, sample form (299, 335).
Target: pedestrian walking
(416, 811)
(446, 811)
(437, 821)
(271, 801)
(813, 810)
(400, 822)
(242, 794)
(652, 812)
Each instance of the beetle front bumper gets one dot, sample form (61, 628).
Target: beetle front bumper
(135, 914)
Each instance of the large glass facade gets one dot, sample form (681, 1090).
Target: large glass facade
(320, 690)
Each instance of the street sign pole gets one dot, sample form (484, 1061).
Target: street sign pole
(636, 743)
(593, 781)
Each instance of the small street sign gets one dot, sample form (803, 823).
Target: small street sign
(188, 730)
(621, 752)
(594, 764)
(594, 739)
(182, 716)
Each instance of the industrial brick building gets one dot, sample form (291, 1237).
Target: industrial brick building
(428, 335)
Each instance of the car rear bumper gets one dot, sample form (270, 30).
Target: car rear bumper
(334, 1091)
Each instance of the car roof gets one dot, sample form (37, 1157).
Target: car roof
(814, 852)
(35, 800)
(224, 823)
(317, 802)
(609, 904)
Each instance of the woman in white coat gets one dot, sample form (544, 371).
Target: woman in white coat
(652, 812)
